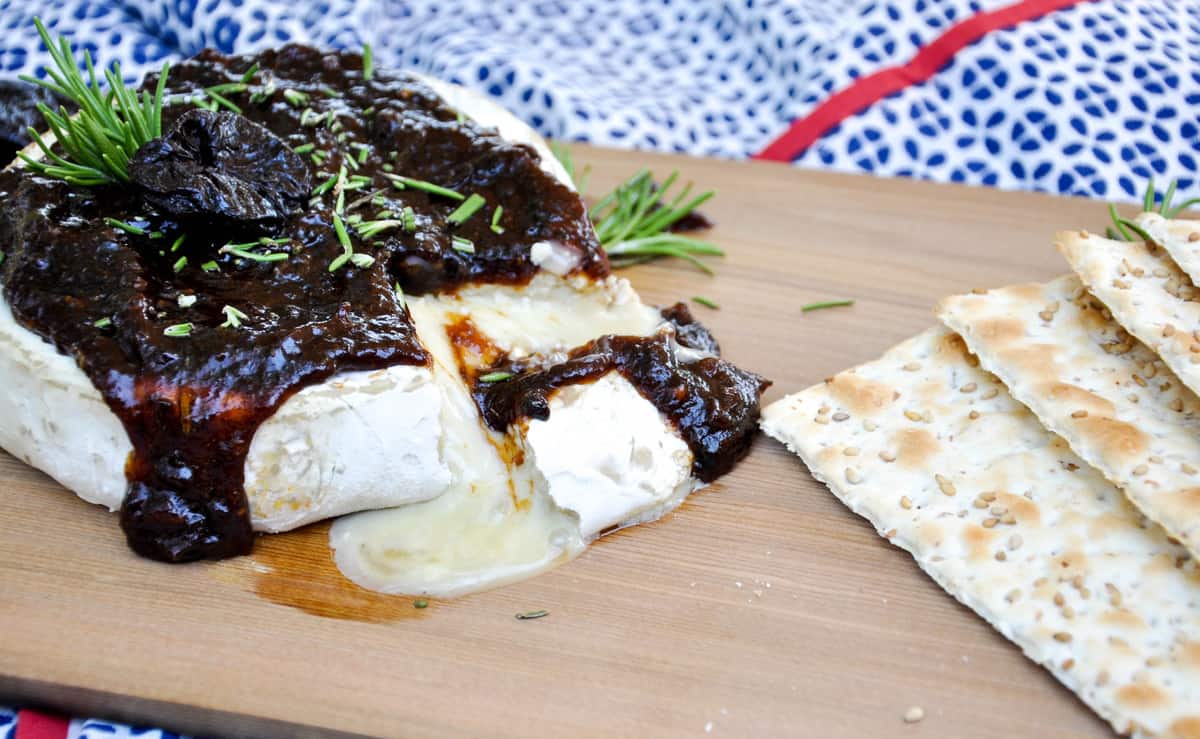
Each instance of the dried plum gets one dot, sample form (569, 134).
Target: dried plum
(216, 167)
(19, 113)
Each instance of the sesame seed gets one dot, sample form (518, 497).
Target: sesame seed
(823, 410)
(1159, 272)
(1120, 284)
(989, 523)
(1177, 405)
(840, 416)
(1059, 600)
(1154, 661)
(973, 415)
(1084, 234)
(993, 392)
(1114, 595)
(989, 497)
(1079, 414)
(998, 510)
(1168, 330)
(911, 367)
(1194, 236)
(1001, 556)
(1187, 468)
(945, 485)
(1009, 520)
(1138, 380)
(1062, 636)
(887, 456)
(1140, 470)
(851, 451)
(912, 415)
(1013, 595)
(1068, 663)
(821, 420)
(914, 714)
(1068, 612)
(905, 502)
(853, 476)
(980, 503)
(1046, 316)
(970, 387)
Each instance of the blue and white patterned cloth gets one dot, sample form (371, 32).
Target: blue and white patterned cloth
(1091, 99)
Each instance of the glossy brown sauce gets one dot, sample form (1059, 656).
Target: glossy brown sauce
(191, 404)
(298, 571)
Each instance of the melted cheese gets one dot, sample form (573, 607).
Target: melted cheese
(524, 502)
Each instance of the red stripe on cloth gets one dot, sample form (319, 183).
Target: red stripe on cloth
(35, 725)
(865, 91)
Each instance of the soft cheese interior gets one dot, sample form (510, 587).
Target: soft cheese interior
(524, 501)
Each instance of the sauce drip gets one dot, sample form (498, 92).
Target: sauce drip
(192, 400)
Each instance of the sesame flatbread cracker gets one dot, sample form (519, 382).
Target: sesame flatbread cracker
(948, 466)
(1147, 293)
(1114, 401)
(1180, 237)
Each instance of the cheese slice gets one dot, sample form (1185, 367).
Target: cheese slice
(948, 466)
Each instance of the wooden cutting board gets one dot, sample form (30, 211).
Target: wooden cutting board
(760, 608)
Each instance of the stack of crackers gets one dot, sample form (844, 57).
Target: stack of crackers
(1039, 456)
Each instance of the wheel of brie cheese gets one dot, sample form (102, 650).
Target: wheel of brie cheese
(361, 293)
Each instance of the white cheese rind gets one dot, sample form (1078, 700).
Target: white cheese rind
(360, 440)
(607, 455)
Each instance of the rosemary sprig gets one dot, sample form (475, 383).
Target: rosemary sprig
(633, 221)
(243, 251)
(465, 246)
(109, 127)
(563, 155)
(1123, 229)
(496, 214)
(530, 615)
(128, 228)
(178, 330)
(706, 302)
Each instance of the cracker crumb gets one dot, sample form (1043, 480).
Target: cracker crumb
(914, 714)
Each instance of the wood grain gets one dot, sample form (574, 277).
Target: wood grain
(760, 608)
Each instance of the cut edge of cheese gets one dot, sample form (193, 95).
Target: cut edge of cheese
(1004, 517)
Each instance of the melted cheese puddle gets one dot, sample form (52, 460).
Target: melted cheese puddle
(495, 523)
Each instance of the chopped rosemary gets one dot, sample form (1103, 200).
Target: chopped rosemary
(186, 301)
(409, 216)
(706, 302)
(243, 251)
(108, 128)
(102, 323)
(496, 214)
(2, 255)
(458, 243)
(495, 376)
(249, 73)
(304, 148)
(371, 229)
(360, 260)
(295, 98)
(210, 266)
(400, 182)
(400, 296)
(179, 264)
(264, 93)
(368, 63)
(178, 330)
(233, 317)
(826, 304)
(325, 186)
(329, 92)
(221, 100)
(126, 227)
(469, 207)
(363, 152)
(178, 242)
(532, 615)
(344, 239)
